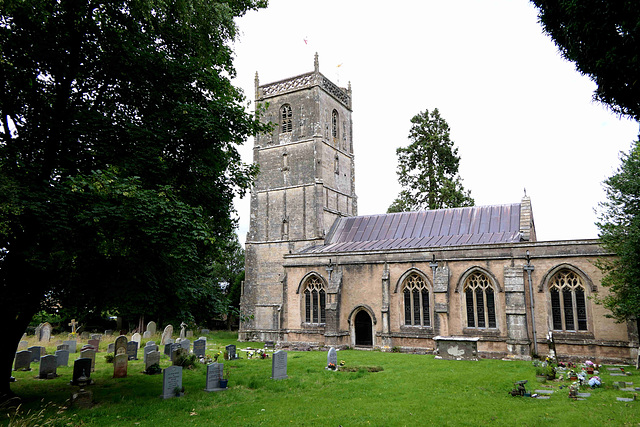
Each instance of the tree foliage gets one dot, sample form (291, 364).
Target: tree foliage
(602, 38)
(118, 155)
(619, 225)
(428, 168)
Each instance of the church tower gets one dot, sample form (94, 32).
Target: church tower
(306, 182)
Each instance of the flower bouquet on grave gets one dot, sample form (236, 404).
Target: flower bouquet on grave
(595, 381)
(331, 366)
(342, 363)
(573, 390)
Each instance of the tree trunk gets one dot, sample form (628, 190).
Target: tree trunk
(15, 327)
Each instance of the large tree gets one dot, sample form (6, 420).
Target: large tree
(602, 38)
(619, 225)
(428, 168)
(118, 155)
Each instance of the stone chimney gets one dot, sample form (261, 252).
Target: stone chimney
(527, 227)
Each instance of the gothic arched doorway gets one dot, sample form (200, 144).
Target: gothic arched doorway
(363, 329)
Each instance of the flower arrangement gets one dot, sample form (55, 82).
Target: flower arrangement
(573, 389)
(332, 366)
(595, 381)
(342, 363)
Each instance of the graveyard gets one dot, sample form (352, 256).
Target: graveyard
(269, 385)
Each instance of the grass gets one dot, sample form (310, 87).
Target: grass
(409, 390)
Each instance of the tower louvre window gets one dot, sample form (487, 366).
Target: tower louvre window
(334, 124)
(286, 123)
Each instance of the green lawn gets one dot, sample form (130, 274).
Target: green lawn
(410, 390)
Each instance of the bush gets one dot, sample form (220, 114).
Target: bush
(186, 361)
(109, 357)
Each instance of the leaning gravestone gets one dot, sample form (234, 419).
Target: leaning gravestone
(36, 353)
(214, 375)
(62, 357)
(167, 334)
(137, 338)
(146, 335)
(95, 344)
(23, 361)
(37, 331)
(89, 354)
(72, 345)
(132, 350)
(45, 332)
(153, 358)
(120, 363)
(151, 327)
(120, 345)
(200, 347)
(279, 365)
(332, 357)
(48, 366)
(172, 382)
(231, 351)
(81, 367)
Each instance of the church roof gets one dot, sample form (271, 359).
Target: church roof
(424, 229)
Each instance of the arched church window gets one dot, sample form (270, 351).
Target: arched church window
(314, 301)
(285, 118)
(480, 299)
(416, 301)
(568, 302)
(334, 124)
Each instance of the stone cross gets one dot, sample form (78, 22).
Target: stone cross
(73, 325)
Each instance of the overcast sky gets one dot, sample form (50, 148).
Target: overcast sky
(520, 115)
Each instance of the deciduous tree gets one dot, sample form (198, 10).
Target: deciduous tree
(428, 168)
(118, 159)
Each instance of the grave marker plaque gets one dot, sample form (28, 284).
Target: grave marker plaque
(279, 365)
(120, 364)
(214, 374)
(63, 357)
(171, 382)
(48, 366)
(23, 361)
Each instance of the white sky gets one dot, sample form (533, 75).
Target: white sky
(520, 115)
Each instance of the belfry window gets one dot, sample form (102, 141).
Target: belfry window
(314, 301)
(285, 119)
(568, 302)
(416, 301)
(480, 298)
(334, 124)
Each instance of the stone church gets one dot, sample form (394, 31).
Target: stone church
(317, 274)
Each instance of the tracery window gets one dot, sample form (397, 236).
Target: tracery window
(568, 302)
(416, 301)
(334, 124)
(480, 298)
(314, 301)
(285, 118)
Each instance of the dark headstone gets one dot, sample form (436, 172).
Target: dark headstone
(63, 357)
(36, 353)
(214, 375)
(132, 350)
(23, 361)
(63, 347)
(186, 344)
(171, 382)
(81, 367)
(231, 351)
(148, 349)
(200, 347)
(48, 366)
(153, 358)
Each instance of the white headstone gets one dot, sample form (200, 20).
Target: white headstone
(137, 338)
(167, 335)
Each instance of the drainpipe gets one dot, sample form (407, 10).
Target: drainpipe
(529, 268)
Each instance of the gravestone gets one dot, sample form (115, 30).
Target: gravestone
(23, 345)
(189, 334)
(120, 363)
(89, 354)
(96, 337)
(85, 335)
(186, 344)
(137, 338)
(151, 327)
(231, 351)
(456, 348)
(279, 365)
(150, 343)
(120, 345)
(172, 382)
(146, 335)
(81, 367)
(167, 349)
(167, 334)
(153, 358)
(108, 332)
(148, 349)
(45, 332)
(95, 344)
(63, 357)
(200, 347)
(37, 331)
(204, 331)
(214, 375)
(63, 347)
(176, 352)
(111, 348)
(72, 345)
(48, 366)
(23, 361)
(36, 353)
(132, 350)
(332, 357)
